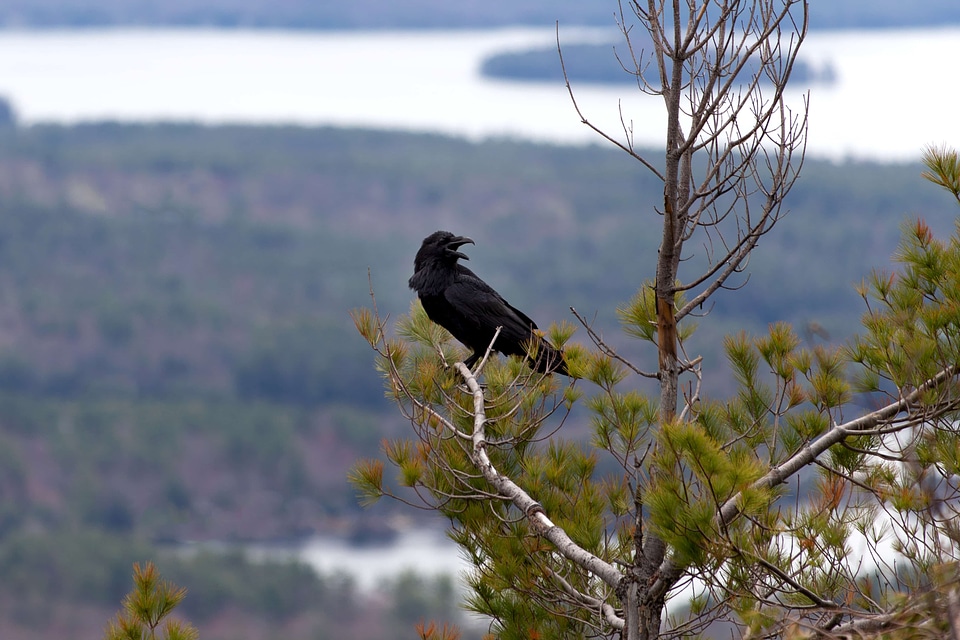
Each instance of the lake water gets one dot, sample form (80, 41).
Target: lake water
(428, 552)
(895, 90)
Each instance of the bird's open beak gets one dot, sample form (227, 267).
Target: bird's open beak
(456, 243)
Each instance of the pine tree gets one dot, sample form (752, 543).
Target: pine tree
(745, 510)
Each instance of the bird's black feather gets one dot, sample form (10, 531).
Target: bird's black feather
(458, 300)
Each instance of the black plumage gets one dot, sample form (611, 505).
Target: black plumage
(459, 301)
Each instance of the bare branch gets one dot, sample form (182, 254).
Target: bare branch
(607, 349)
(606, 610)
(628, 148)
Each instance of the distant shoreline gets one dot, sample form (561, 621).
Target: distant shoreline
(419, 15)
(10, 26)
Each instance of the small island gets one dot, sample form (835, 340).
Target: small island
(604, 64)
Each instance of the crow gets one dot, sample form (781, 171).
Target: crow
(459, 301)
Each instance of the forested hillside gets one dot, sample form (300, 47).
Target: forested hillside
(170, 283)
(176, 356)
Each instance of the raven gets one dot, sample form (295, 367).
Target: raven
(466, 306)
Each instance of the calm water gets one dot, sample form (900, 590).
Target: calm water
(425, 551)
(890, 100)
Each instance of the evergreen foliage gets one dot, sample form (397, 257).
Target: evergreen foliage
(146, 610)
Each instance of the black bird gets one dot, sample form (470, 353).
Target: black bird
(466, 306)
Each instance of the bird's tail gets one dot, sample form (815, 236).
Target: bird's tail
(546, 358)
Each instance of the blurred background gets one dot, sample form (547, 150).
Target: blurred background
(192, 195)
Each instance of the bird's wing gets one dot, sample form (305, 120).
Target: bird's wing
(478, 301)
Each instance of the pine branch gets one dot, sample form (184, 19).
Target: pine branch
(532, 509)
(670, 571)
